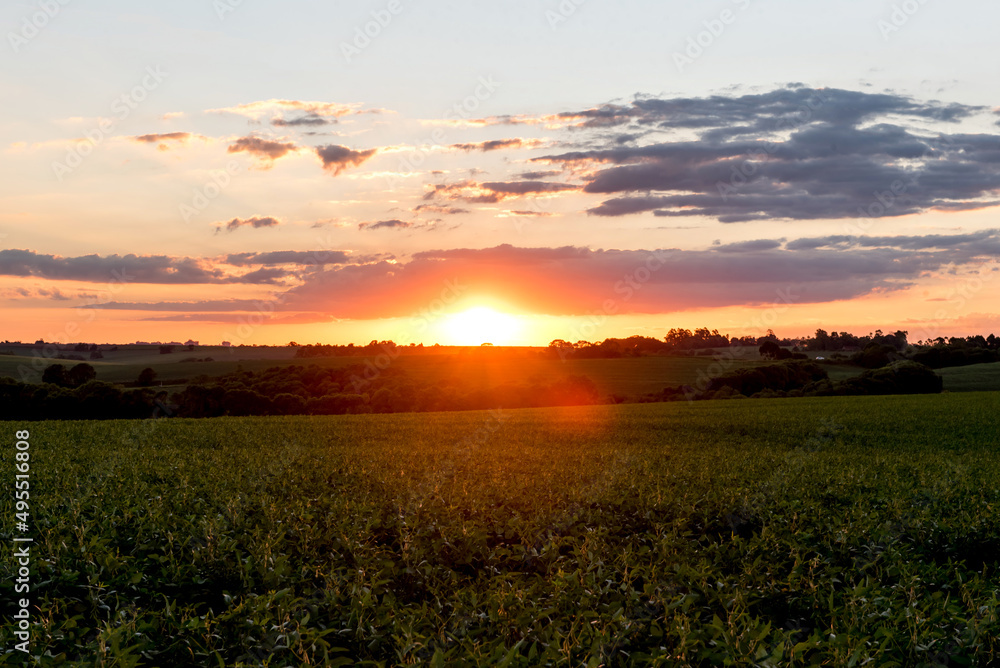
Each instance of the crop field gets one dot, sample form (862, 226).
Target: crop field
(840, 531)
(972, 378)
(624, 376)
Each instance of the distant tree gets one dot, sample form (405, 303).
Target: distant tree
(146, 377)
(166, 350)
(55, 374)
(769, 350)
(80, 374)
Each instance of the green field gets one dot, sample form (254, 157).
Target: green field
(626, 376)
(973, 378)
(819, 531)
(629, 377)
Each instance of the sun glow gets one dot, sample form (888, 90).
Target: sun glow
(479, 325)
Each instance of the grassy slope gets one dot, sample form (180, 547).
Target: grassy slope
(829, 528)
(973, 378)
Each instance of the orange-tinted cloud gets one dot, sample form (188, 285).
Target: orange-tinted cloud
(579, 281)
(496, 191)
(497, 144)
(163, 140)
(338, 158)
(264, 149)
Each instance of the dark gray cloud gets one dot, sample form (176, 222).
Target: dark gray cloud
(308, 120)
(754, 246)
(123, 269)
(793, 153)
(534, 176)
(255, 222)
(338, 158)
(760, 112)
(983, 242)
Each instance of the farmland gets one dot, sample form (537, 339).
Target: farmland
(629, 377)
(813, 531)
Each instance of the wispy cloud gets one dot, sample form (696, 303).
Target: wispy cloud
(255, 222)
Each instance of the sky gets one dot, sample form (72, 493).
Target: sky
(461, 172)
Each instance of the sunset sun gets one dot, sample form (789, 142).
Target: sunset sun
(479, 325)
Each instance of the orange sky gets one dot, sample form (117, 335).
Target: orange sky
(173, 174)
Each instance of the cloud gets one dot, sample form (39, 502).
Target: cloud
(578, 281)
(302, 258)
(199, 306)
(393, 224)
(534, 176)
(255, 222)
(497, 144)
(793, 153)
(524, 213)
(496, 191)
(266, 150)
(123, 269)
(748, 246)
(443, 210)
(163, 140)
(256, 110)
(983, 241)
(52, 294)
(311, 119)
(338, 158)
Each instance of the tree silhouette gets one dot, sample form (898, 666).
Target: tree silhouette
(146, 377)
